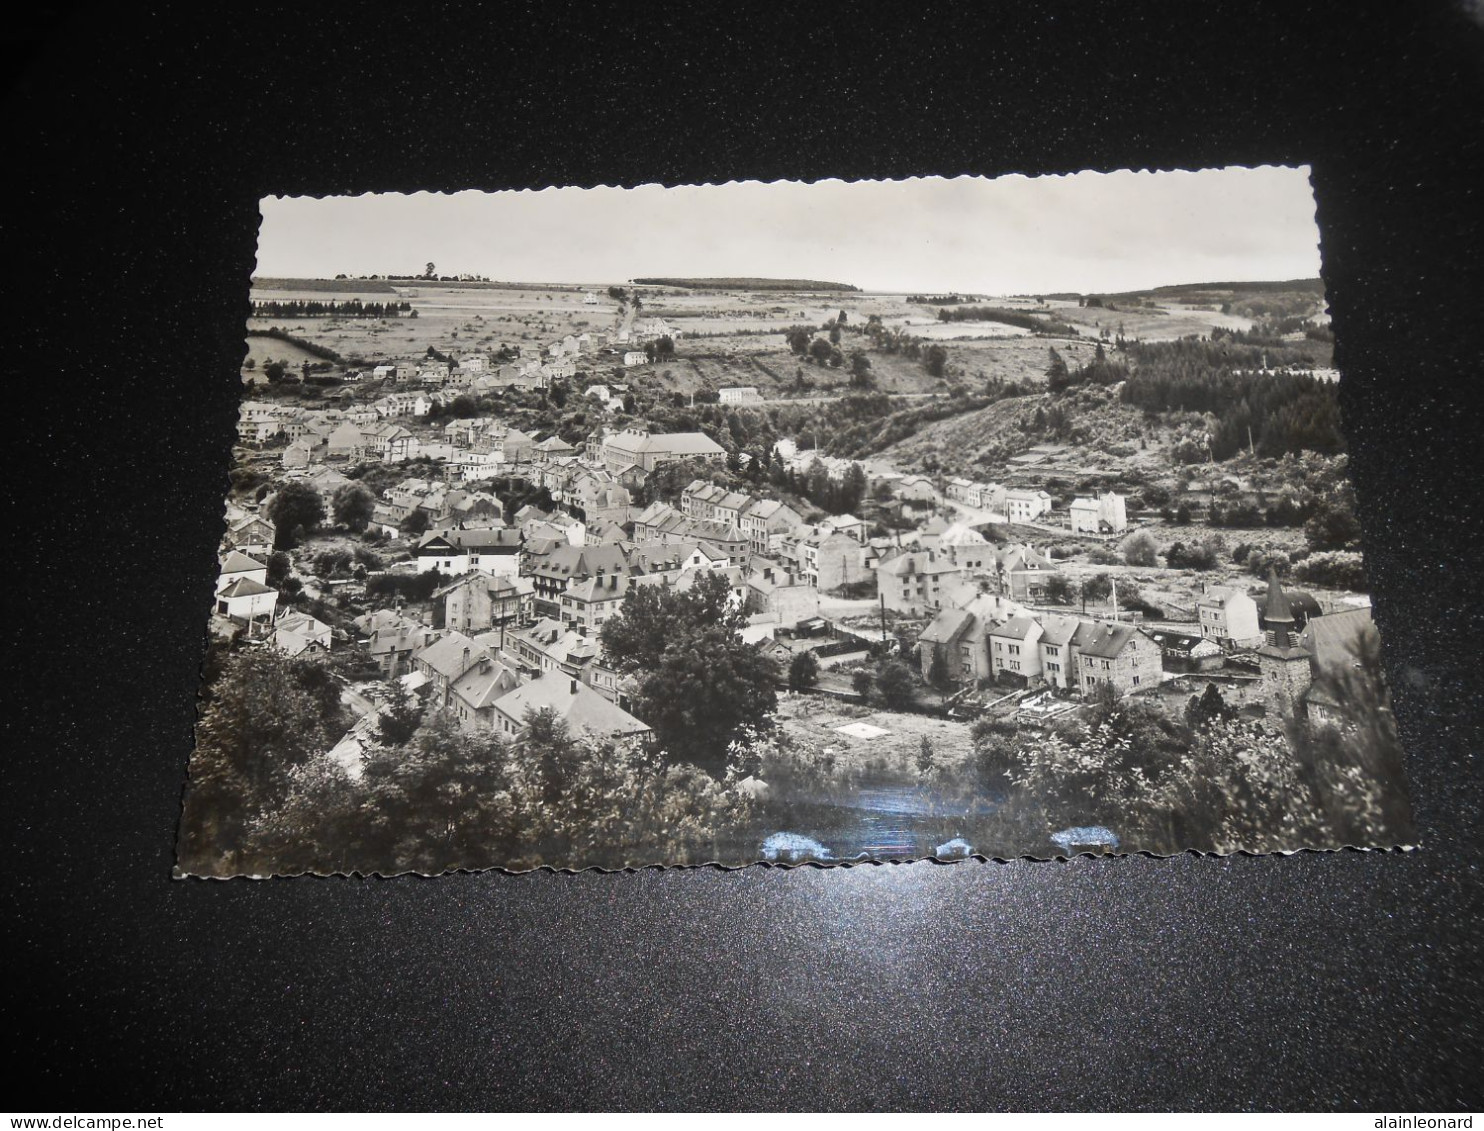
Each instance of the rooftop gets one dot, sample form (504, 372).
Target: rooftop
(582, 708)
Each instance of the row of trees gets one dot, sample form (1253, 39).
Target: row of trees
(934, 357)
(297, 510)
(314, 349)
(833, 496)
(1101, 370)
(320, 308)
(1035, 323)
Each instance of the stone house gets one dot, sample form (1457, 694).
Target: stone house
(914, 582)
(1120, 656)
(480, 601)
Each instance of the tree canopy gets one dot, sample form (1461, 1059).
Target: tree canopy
(265, 715)
(803, 671)
(296, 507)
(353, 505)
(699, 683)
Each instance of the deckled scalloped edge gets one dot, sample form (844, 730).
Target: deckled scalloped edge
(820, 865)
(1141, 170)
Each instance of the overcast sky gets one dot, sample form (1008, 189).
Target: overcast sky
(1084, 232)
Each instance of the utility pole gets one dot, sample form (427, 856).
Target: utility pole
(1251, 447)
(883, 619)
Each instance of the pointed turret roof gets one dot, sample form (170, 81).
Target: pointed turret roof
(1275, 609)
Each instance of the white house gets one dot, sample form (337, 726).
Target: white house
(1025, 505)
(1229, 617)
(1105, 514)
(247, 600)
(741, 394)
(1014, 647)
(456, 552)
(237, 565)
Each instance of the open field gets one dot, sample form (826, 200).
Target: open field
(263, 350)
(766, 362)
(723, 337)
(451, 317)
(1151, 324)
(810, 720)
(342, 288)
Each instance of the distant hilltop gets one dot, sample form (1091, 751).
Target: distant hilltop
(1194, 292)
(329, 286)
(744, 284)
(1315, 286)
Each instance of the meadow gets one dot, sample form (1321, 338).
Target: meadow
(452, 318)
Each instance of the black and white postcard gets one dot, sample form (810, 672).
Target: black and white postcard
(790, 522)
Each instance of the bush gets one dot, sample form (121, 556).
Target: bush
(1059, 590)
(894, 685)
(328, 563)
(246, 479)
(1239, 515)
(1153, 495)
(803, 671)
(1139, 549)
(1336, 569)
(1261, 562)
(1333, 526)
(409, 586)
(1196, 555)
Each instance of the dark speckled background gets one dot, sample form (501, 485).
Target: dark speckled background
(136, 148)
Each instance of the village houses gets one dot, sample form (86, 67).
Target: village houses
(1105, 514)
(517, 625)
(916, 581)
(1228, 616)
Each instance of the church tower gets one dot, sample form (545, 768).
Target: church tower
(1286, 669)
